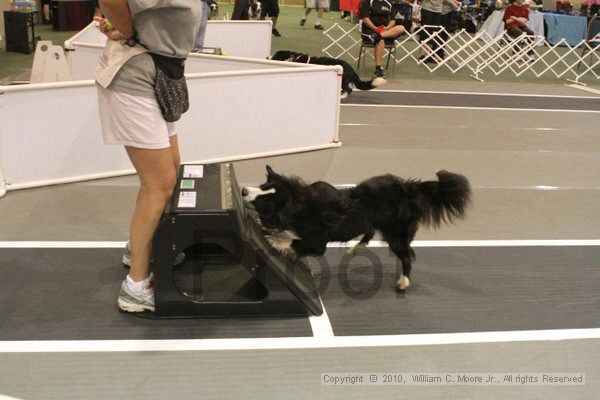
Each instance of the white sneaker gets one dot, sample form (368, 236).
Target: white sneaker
(136, 302)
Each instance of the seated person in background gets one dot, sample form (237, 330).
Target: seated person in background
(593, 6)
(516, 16)
(378, 27)
(492, 5)
(563, 5)
(402, 13)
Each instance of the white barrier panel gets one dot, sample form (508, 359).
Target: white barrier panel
(197, 63)
(83, 60)
(88, 35)
(236, 38)
(240, 38)
(50, 133)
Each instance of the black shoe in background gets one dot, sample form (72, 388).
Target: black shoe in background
(275, 32)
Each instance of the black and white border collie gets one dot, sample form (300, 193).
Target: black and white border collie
(394, 208)
(213, 9)
(254, 10)
(349, 75)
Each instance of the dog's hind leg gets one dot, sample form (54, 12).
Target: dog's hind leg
(400, 246)
(404, 254)
(364, 241)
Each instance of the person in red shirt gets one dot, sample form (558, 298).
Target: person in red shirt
(564, 5)
(516, 16)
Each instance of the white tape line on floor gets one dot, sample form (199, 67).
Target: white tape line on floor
(473, 108)
(373, 243)
(321, 325)
(78, 346)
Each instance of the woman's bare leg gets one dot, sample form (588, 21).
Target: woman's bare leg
(175, 151)
(157, 176)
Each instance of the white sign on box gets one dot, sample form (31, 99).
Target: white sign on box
(187, 200)
(193, 171)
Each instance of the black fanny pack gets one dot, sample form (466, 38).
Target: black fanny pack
(171, 87)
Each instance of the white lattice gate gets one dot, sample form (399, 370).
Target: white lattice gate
(481, 54)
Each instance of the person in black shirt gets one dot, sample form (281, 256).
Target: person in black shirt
(402, 12)
(46, 11)
(377, 27)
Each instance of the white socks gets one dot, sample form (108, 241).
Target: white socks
(136, 287)
(318, 21)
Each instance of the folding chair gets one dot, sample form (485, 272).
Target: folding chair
(390, 47)
(592, 37)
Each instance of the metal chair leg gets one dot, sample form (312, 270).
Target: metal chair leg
(391, 52)
(360, 54)
(387, 63)
(581, 59)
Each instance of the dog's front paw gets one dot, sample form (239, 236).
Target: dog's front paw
(282, 245)
(403, 283)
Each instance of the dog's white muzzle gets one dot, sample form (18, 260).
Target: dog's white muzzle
(251, 193)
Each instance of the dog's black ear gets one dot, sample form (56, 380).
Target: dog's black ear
(272, 175)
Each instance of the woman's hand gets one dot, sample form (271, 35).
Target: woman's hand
(107, 29)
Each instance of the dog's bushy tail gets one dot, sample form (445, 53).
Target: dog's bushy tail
(364, 85)
(360, 84)
(445, 200)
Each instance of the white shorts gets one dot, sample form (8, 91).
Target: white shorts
(317, 3)
(134, 121)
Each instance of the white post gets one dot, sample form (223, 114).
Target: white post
(2, 183)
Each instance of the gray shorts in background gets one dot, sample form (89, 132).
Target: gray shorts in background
(317, 3)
